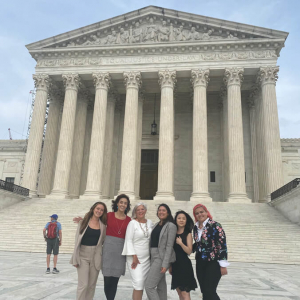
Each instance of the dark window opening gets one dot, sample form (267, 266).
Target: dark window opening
(10, 179)
(212, 176)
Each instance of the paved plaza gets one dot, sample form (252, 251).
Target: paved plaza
(22, 276)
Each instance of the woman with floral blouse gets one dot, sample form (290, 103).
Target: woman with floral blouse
(211, 252)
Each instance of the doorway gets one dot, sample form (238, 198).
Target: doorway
(149, 174)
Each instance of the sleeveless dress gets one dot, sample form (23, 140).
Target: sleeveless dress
(182, 270)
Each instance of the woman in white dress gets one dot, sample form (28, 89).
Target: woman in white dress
(136, 247)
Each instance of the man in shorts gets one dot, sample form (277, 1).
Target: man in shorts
(53, 236)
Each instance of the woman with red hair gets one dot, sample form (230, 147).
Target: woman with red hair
(211, 252)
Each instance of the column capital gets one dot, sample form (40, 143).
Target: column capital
(71, 81)
(267, 75)
(200, 77)
(233, 76)
(167, 78)
(132, 79)
(102, 80)
(253, 95)
(42, 82)
(112, 96)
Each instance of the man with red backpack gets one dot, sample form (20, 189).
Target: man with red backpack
(53, 237)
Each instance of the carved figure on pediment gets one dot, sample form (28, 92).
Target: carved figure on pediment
(95, 41)
(123, 37)
(137, 34)
(193, 35)
(207, 35)
(111, 38)
(179, 36)
(151, 32)
(163, 32)
(232, 37)
(71, 44)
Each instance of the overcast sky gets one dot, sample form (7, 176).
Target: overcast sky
(23, 22)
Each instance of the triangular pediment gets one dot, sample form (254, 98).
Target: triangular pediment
(156, 25)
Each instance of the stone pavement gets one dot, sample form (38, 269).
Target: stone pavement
(22, 276)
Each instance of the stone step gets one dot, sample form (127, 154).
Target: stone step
(253, 230)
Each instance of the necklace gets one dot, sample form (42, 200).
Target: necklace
(145, 232)
(119, 228)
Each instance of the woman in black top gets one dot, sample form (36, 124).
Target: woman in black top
(87, 252)
(183, 279)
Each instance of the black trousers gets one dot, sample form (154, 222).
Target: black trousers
(209, 275)
(110, 287)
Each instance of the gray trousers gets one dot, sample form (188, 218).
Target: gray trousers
(87, 273)
(155, 284)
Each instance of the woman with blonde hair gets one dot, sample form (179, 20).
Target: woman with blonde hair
(87, 254)
(136, 248)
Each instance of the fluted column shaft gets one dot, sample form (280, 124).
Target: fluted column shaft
(65, 145)
(139, 146)
(252, 112)
(93, 186)
(86, 149)
(200, 160)
(167, 80)
(128, 166)
(108, 147)
(78, 144)
(271, 141)
(31, 168)
(236, 161)
(50, 143)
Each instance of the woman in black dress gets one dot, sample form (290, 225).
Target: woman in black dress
(183, 279)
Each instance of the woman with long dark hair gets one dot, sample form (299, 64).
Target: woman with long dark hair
(183, 279)
(87, 252)
(114, 262)
(162, 254)
(211, 252)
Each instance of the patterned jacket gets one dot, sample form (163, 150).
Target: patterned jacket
(212, 245)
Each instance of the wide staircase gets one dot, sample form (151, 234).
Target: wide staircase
(255, 232)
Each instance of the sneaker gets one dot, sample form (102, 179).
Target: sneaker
(48, 271)
(55, 271)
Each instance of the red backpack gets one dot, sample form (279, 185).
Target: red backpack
(52, 230)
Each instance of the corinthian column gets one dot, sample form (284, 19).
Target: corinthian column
(42, 83)
(167, 80)
(65, 145)
(56, 97)
(93, 185)
(267, 77)
(237, 187)
(133, 81)
(108, 147)
(78, 144)
(200, 161)
(252, 112)
(139, 146)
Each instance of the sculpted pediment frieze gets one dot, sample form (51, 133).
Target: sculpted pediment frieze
(150, 32)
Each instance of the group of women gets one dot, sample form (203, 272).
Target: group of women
(149, 251)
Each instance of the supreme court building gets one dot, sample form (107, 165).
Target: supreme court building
(208, 84)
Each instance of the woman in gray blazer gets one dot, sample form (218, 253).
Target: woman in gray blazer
(162, 254)
(87, 254)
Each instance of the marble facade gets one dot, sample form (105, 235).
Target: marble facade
(216, 109)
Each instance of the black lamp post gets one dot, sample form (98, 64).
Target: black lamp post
(154, 125)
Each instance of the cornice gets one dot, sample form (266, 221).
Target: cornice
(160, 48)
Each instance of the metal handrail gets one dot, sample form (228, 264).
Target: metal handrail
(285, 189)
(8, 186)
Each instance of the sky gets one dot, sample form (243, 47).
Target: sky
(24, 22)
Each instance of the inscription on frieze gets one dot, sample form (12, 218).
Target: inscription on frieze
(156, 59)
